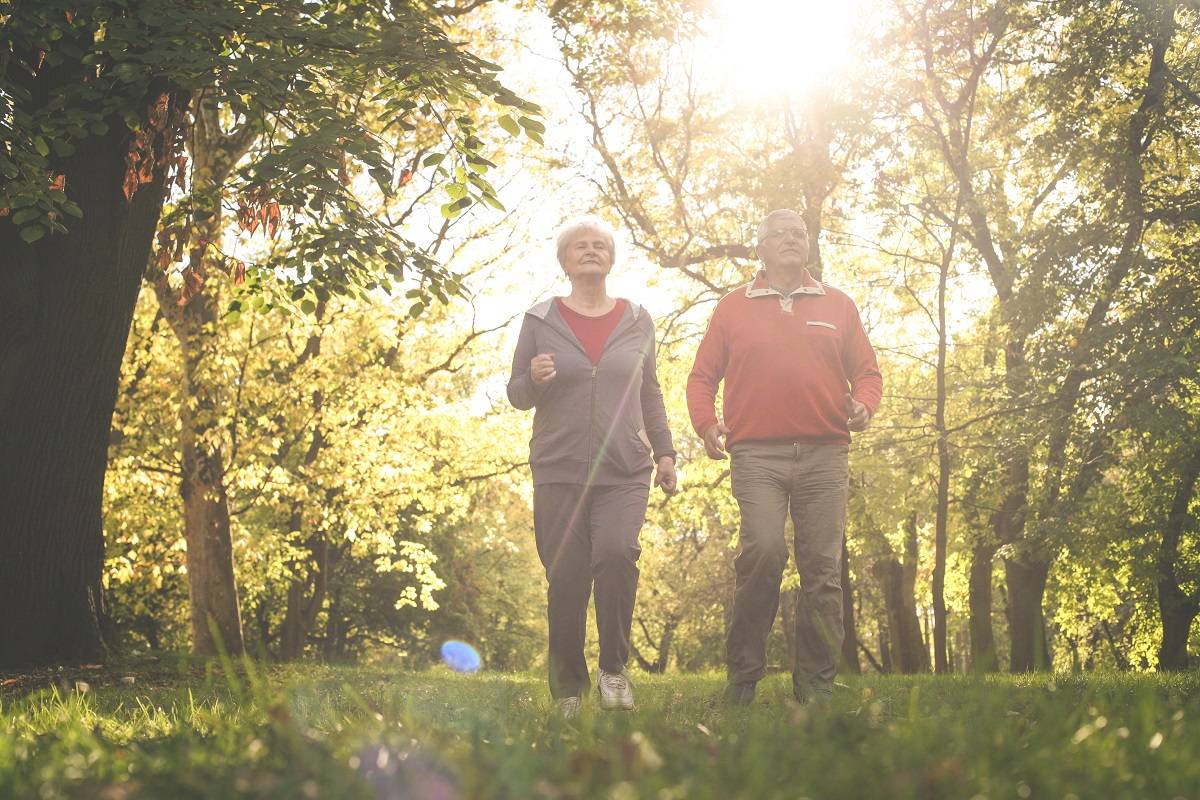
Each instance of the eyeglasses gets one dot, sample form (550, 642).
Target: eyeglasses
(779, 234)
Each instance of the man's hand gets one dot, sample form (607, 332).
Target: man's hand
(858, 417)
(712, 441)
(541, 368)
(666, 477)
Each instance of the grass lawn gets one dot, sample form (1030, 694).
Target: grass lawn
(182, 730)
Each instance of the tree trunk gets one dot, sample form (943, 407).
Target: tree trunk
(1178, 609)
(664, 647)
(306, 595)
(885, 651)
(850, 662)
(915, 646)
(1026, 579)
(66, 304)
(942, 514)
(810, 135)
(979, 599)
(908, 654)
(212, 586)
(788, 600)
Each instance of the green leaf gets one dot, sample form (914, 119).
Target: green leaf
(509, 124)
(383, 177)
(479, 161)
(456, 207)
(40, 145)
(416, 309)
(32, 233)
(308, 306)
(532, 125)
(26, 215)
(433, 159)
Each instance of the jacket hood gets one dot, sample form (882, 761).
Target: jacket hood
(540, 310)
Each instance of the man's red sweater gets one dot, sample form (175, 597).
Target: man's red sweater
(787, 363)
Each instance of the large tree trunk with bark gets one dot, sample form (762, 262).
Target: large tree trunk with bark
(897, 580)
(1178, 608)
(1025, 577)
(1025, 574)
(1026, 580)
(984, 658)
(66, 304)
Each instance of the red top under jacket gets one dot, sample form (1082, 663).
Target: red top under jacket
(592, 332)
(787, 363)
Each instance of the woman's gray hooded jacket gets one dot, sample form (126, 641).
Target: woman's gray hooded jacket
(592, 425)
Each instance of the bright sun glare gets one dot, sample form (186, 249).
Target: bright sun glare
(765, 49)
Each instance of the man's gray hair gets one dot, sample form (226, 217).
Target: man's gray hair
(779, 212)
(572, 229)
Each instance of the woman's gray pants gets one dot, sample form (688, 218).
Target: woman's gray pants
(588, 536)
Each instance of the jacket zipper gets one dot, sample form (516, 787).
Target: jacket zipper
(592, 420)
(592, 398)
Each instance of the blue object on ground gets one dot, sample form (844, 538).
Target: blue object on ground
(460, 656)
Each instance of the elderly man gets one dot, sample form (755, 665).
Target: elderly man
(800, 375)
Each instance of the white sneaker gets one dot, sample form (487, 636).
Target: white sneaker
(615, 690)
(569, 707)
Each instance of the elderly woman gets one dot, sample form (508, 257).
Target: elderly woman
(585, 363)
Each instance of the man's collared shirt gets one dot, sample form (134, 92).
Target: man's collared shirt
(787, 361)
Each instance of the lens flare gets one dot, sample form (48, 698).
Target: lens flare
(460, 656)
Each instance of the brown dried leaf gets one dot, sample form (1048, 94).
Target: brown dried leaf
(158, 113)
(273, 219)
(131, 183)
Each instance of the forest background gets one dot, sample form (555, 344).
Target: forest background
(302, 464)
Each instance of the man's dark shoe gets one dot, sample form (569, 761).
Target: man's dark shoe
(815, 693)
(739, 694)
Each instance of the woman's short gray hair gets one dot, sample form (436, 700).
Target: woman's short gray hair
(572, 229)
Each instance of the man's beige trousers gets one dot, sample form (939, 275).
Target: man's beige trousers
(771, 479)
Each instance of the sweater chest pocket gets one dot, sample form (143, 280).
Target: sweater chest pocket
(824, 338)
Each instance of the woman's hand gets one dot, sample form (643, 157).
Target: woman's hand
(666, 477)
(541, 369)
